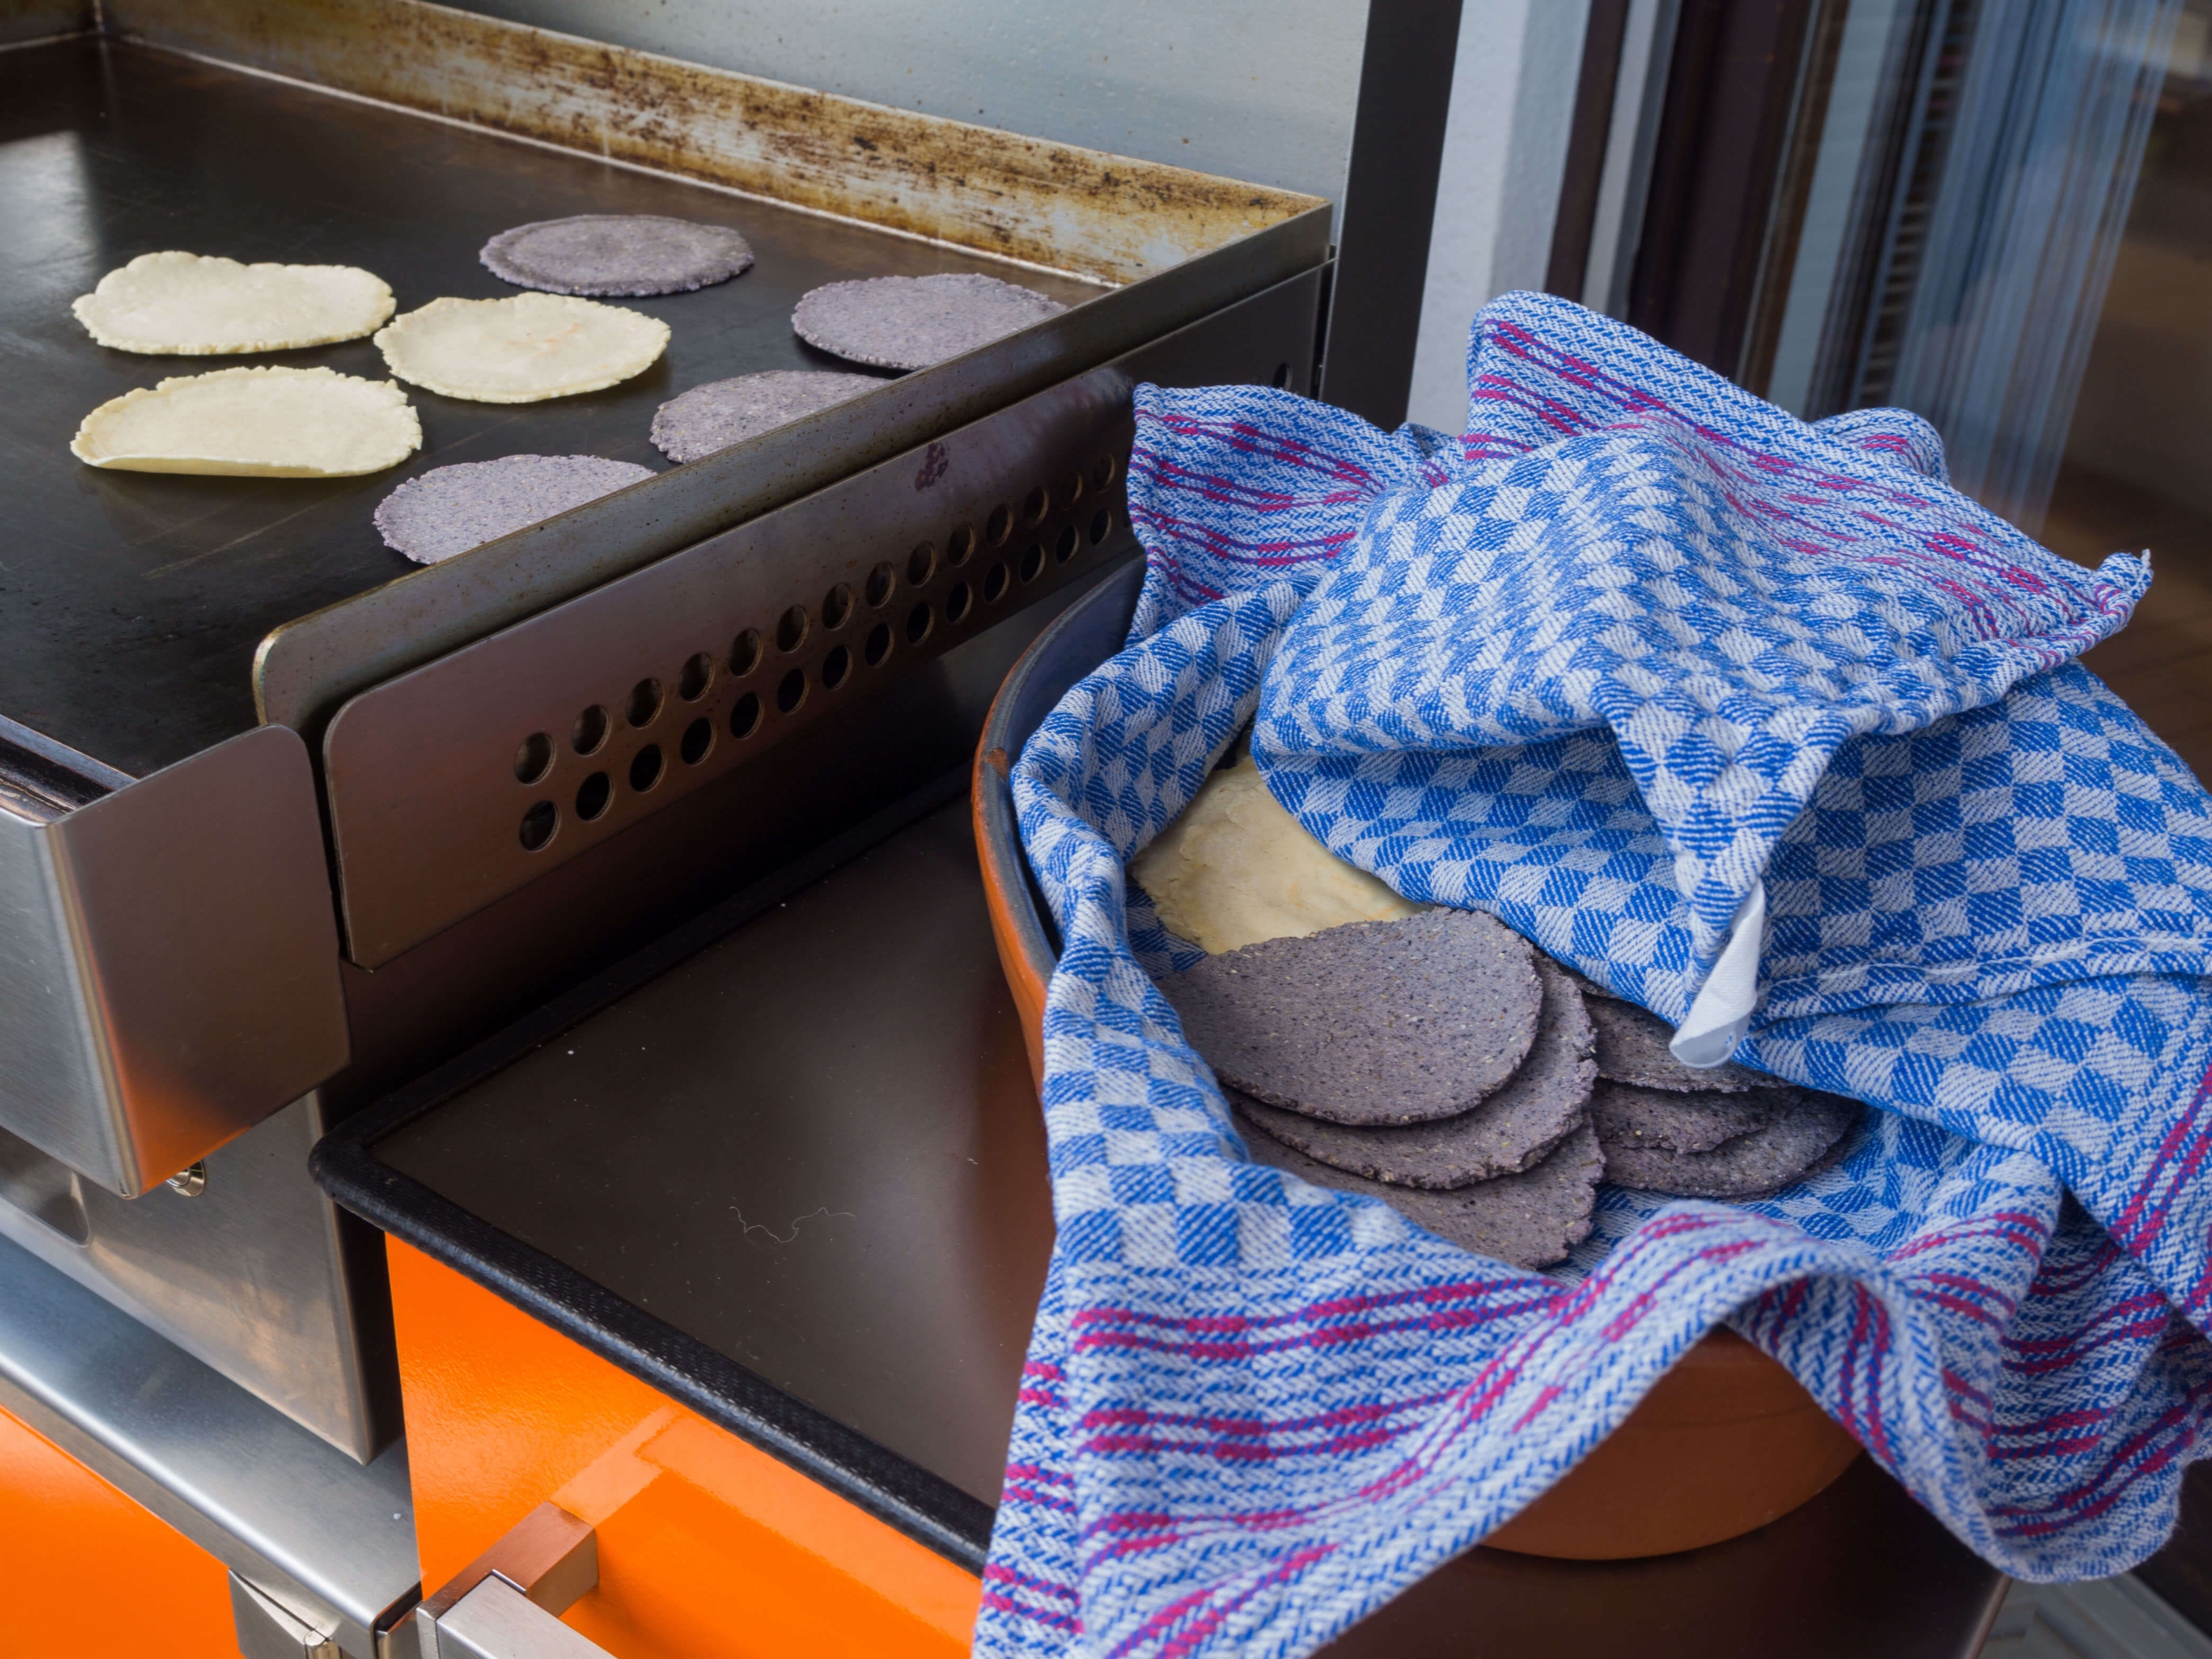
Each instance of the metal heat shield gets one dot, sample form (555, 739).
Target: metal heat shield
(172, 975)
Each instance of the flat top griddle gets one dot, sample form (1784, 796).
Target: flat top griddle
(131, 603)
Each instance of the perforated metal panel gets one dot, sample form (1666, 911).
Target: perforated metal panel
(465, 780)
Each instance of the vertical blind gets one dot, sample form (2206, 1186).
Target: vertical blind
(2046, 138)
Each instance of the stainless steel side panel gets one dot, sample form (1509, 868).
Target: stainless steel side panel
(259, 1493)
(249, 1276)
(169, 963)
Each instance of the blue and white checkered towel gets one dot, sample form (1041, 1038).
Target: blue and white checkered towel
(1768, 729)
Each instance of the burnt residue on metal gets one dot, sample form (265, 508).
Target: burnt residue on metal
(1107, 217)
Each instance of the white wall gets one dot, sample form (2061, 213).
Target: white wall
(1260, 90)
(1504, 155)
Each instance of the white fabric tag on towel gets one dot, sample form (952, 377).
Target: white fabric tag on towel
(1722, 1013)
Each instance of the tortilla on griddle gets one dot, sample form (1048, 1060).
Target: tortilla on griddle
(617, 255)
(1541, 1103)
(448, 510)
(910, 322)
(523, 349)
(723, 412)
(1531, 1220)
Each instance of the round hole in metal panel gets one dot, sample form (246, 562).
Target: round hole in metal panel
(921, 564)
(1102, 526)
(1032, 561)
(1282, 382)
(994, 584)
(697, 675)
(745, 653)
(791, 628)
(644, 702)
(1072, 489)
(999, 525)
(837, 607)
(960, 546)
(533, 759)
(593, 795)
(1065, 544)
(1035, 505)
(590, 731)
(958, 602)
(918, 622)
(1102, 472)
(538, 825)
(881, 583)
(698, 738)
(745, 716)
(790, 690)
(834, 668)
(645, 767)
(877, 645)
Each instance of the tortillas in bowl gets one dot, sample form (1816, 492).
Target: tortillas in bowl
(192, 305)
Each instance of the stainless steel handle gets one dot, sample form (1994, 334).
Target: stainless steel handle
(507, 1602)
(496, 1621)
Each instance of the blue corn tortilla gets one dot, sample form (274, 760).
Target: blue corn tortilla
(723, 412)
(449, 509)
(910, 322)
(1401, 1021)
(604, 255)
(1532, 1219)
(1540, 1105)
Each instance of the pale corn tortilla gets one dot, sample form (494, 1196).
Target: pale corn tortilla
(1236, 868)
(255, 423)
(520, 350)
(188, 305)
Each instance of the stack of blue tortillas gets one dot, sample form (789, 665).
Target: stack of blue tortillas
(1444, 1064)
(1725, 1132)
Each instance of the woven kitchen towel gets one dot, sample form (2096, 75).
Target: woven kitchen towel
(1634, 657)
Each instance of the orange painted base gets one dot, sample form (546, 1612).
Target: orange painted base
(90, 1571)
(709, 1548)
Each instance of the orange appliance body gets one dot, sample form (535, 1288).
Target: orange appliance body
(93, 1570)
(709, 1547)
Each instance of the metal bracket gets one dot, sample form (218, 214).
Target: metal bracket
(507, 1602)
(269, 1629)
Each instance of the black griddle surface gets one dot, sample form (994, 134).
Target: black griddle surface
(131, 603)
(813, 1146)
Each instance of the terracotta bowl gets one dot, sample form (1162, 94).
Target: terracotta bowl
(1726, 1442)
